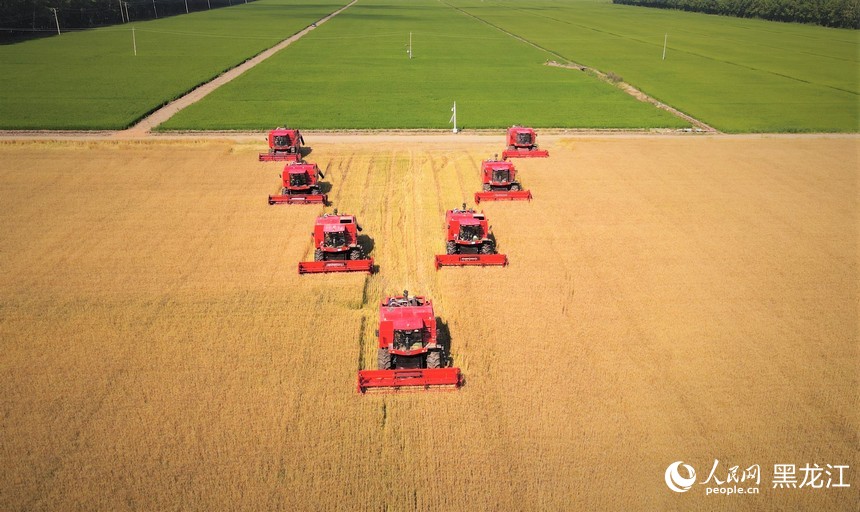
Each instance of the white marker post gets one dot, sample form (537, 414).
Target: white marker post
(410, 45)
(55, 19)
(454, 117)
(134, 41)
(665, 38)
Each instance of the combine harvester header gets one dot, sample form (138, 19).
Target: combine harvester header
(336, 247)
(469, 241)
(409, 355)
(284, 145)
(300, 185)
(499, 183)
(522, 143)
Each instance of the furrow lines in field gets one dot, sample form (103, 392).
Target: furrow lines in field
(417, 176)
(342, 167)
(434, 168)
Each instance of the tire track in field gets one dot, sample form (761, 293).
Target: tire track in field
(164, 113)
(367, 314)
(435, 169)
(464, 166)
(625, 87)
(458, 172)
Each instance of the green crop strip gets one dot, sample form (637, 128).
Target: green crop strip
(92, 79)
(738, 75)
(354, 73)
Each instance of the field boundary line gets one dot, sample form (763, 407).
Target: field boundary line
(623, 86)
(162, 114)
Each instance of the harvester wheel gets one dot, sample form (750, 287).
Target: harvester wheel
(434, 359)
(515, 186)
(450, 248)
(383, 359)
(488, 248)
(487, 187)
(355, 254)
(318, 255)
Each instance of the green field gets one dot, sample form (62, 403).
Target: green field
(354, 72)
(92, 80)
(739, 75)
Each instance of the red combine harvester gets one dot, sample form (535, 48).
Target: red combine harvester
(522, 143)
(300, 185)
(336, 247)
(409, 353)
(500, 183)
(284, 145)
(469, 241)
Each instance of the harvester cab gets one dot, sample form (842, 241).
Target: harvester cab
(409, 353)
(522, 143)
(499, 183)
(336, 247)
(469, 241)
(300, 185)
(284, 145)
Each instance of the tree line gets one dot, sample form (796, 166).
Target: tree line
(22, 19)
(829, 13)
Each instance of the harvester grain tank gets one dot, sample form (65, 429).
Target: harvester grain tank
(409, 353)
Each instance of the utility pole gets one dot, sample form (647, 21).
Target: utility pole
(665, 38)
(209, 4)
(154, 8)
(121, 12)
(454, 117)
(186, 12)
(57, 21)
(127, 17)
(134, 41)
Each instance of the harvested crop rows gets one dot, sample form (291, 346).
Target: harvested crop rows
(667, 298)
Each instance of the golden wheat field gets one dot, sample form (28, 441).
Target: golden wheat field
(668, 299)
